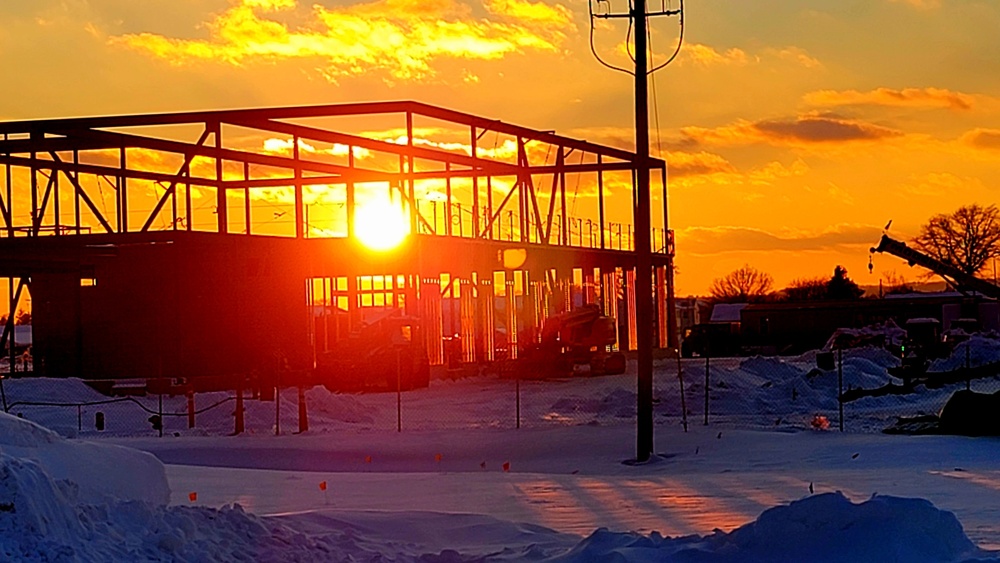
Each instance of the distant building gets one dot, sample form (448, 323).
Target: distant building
(797, 327)
(691, 311)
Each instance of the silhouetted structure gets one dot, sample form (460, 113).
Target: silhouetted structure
(181, 290)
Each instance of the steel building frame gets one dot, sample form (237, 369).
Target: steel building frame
(55, 155)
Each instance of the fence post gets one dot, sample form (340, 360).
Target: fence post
(840, 386)
(3, 392)
(190, 405)
(707, 367)
(399, 394)
(303, 418)
(159, 412)
(79, 418)
(968, 367)
(680, 378)
(517, 398)
(239, 406)
(277, 405)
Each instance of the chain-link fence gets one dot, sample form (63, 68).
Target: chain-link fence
(768, 393)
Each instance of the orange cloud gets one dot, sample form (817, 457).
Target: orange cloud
(919, 4)
(507, 149)
(796, 55)
(537, 12)
(822, 130)
(707, 170)
(982, 139)
(703, 55)
(399, 37)
(800, 130)
(936, 183)
(775, 170)
(907, 97)
(706, 56)
(284, 146)
(682, 164)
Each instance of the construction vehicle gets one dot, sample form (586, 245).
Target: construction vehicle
(923, 336)
(582, 336)
(384, 355)
(711, 339)
(960, 280)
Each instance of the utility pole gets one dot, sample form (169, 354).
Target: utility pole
(638, 14)
(643, 253)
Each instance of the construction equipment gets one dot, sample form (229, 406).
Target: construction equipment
(711, 339)
(582, 336)
(960, 280)
(923, 341)
(384, 355)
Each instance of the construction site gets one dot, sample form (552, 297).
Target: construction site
(230, 245)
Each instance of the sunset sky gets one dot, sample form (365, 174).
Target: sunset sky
(794, 130)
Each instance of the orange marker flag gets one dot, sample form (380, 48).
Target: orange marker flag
(322, 485)
(192, 497)
(437, 458)
(368, 459)
(506, 466)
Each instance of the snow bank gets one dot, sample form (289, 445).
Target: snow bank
(41, 520)
(98, 470)
(69, 390)
(885, 334)
(978, 350)
(821, 528)
(75, 518)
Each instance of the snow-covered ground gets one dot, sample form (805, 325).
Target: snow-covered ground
(460, 483)
(768, 393)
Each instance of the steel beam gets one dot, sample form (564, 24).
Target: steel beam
(83, 194)
(304, 112)
(172, 189)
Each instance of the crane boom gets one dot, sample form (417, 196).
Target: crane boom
(947, 271)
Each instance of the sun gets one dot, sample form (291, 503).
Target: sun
(379, 224)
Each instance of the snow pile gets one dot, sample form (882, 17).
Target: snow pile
(617, 403)
(41, 519)
(769, 392)
(42, 389)
(976, 351)
(76, 501)
(821, 528)
(886, 334)
(757, 392)
(335, 407)
(98, 471)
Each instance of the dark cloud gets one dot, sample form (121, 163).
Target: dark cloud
(697, 164)
(983, 138)
(712, 240)
(823, 130)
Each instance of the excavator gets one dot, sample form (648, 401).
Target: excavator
(582, 336)
(384, 355)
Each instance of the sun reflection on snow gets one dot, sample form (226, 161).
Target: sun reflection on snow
(979, 478)
(581, 504)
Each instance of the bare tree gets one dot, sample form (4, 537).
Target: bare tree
(895, 283)
(806, 289)
(742, 285)
(967, 238)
